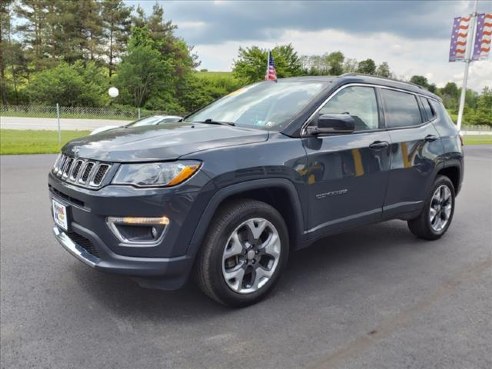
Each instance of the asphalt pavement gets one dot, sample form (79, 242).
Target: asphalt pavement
(52, 123)
(375, 297)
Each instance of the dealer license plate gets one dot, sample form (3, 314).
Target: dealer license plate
(60, 215)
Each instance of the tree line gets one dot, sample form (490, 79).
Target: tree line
(250, 67)
(71, 52)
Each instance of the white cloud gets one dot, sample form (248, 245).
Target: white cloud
(479, 76)
(406, 57)
(194, 25)
(412, 36)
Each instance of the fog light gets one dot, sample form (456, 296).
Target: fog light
(135, 220)
(138, 231)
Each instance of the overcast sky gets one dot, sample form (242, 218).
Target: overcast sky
(412, 36)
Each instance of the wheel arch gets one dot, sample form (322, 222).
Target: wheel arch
(454, 173)
(277, 192)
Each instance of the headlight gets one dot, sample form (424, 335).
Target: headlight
(155, 174)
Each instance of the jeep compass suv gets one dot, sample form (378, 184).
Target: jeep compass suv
(227, 193)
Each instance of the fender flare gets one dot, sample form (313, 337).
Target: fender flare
(221, 195)
(458, 163)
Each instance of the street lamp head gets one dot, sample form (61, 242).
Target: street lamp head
(113, 92)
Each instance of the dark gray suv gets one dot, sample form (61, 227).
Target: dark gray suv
(226, 194)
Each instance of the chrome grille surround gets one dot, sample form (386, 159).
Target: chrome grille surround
(81, 172)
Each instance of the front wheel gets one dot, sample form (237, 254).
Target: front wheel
(438, 211)
(243, 254)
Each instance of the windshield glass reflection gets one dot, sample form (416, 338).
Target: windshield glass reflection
(265, 105)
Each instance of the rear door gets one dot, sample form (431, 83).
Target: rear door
(347, 173)
(415, 148)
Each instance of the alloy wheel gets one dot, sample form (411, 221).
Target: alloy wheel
(440, 209)
(251, 255)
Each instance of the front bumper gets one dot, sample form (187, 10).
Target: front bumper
(166, 264)
(165, 273)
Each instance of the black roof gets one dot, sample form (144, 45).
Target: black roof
(362, 78)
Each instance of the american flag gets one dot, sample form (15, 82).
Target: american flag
(481, 48)
(271, 73)
(459, 37)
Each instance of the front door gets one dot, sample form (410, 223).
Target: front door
(347, 173)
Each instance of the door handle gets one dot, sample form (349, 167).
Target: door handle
(430, 138)
(378, 145)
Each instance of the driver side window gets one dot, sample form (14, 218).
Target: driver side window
(359, 102)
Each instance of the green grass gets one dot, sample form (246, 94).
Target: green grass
(478, 140)
(13, 141)
(213, 75)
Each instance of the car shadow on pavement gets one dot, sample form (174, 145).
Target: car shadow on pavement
(310, 271)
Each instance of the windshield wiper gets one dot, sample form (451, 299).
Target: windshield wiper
(211, 121)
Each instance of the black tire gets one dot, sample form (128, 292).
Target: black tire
(210, 265)
(422, 226)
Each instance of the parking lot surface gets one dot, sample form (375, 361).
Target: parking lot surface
(52, 123)
(375, 297)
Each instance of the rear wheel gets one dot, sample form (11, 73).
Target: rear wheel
(438, 211)
(243, 254)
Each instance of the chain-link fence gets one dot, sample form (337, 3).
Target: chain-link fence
(124, 113)
(61, 118)
(34, 111)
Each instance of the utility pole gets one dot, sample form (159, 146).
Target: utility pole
(469, 48)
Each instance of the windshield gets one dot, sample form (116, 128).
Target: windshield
(265, 105)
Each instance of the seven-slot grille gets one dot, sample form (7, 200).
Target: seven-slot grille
(82, 172)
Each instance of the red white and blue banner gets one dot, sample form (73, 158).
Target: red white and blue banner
(271, 73)
(483, 36)
(459, 36)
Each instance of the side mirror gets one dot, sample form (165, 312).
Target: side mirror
(332, 123)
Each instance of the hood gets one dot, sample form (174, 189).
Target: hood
(163, 142)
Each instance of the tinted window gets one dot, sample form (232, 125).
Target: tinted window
(442, 113)
(427, 108)
(401, 109)
(359, 102)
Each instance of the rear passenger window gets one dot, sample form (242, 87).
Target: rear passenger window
(359, 102)
(429, 111)
(401, 109)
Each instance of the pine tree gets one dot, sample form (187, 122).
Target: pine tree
(33, 28)
(116, 30)
(4, 36)
(172, 48)
(80, 30)
(91, 28)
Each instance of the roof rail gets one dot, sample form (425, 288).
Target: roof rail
(352, 74)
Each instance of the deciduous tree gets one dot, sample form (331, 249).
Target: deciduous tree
(143, 72)
(70, 85)
(383, 70)
(367, 66)
(252, 61)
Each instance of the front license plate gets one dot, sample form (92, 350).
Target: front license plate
(60, 215)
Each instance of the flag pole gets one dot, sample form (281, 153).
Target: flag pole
(268, 64)
(469, 47)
